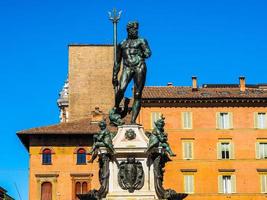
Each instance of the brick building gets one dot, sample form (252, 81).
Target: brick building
(218, 131)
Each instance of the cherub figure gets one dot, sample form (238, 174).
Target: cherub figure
(102, 139)
(158, 138)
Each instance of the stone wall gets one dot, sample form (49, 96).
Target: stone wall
(90, 75)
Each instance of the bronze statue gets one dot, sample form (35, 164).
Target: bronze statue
(132, 52)
(102, 139)
(158, 138)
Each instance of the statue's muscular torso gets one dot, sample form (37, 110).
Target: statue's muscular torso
(134, 51)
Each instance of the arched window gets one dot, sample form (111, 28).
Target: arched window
(46, 191)
(81, 156)
(84, 187)
(47, 157)
(81, 188)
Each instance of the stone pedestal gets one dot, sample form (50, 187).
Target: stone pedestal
(130, 142)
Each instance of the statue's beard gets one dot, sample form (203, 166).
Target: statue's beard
(132, 34)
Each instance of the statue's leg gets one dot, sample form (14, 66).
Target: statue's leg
(124, 81)
(168, 149)
(139, 83)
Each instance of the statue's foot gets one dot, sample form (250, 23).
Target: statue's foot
(134, 123)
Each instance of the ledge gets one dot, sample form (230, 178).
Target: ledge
(188, 170)
(226, 170)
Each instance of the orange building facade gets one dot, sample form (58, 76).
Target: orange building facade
(218, 132)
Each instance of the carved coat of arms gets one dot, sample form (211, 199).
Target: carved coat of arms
(131, 175)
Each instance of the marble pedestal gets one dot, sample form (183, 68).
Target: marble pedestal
(133, 147)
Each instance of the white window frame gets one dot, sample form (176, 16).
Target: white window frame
(263, 183)
(188, 149)
(224, 120)
(260, 120)
(187, 120)
(227, 184)
(261, 149)
(220, 149)
(189, 183)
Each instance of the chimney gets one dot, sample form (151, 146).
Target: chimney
(242, 84)
(169, 84)
(194, 83)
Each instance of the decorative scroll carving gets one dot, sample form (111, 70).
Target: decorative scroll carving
(131, 175)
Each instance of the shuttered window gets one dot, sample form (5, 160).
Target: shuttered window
(261, 150)
(187, 150)
(227, 184)
(263, 183)
(189, 184)
(154, 117)
(46, 191)
(224, 120)
(225, 150)
(187, 120)
(260, 120)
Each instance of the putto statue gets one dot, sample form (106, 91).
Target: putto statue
(158, 138)
(102, 139)
(132, 52)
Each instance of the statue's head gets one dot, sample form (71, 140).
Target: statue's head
(132, 29)
(131, 160)
(102, 124)
(160, 123)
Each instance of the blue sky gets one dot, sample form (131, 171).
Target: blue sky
(215, 40)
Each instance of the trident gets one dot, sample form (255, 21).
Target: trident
(114, 17)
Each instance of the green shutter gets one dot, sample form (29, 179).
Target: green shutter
(220, 184)
(218, 125)
(233, 183)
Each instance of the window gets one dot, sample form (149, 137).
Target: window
(81, 156)
(187, 146)
(154, 117)
(224, 120)
(260, 120)
(47, 157)
(227, 184)
(46, 191)
(261, 150)
(225, 150)
(187, 120)
(81, 188)
(263, 183)
(189, 184)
